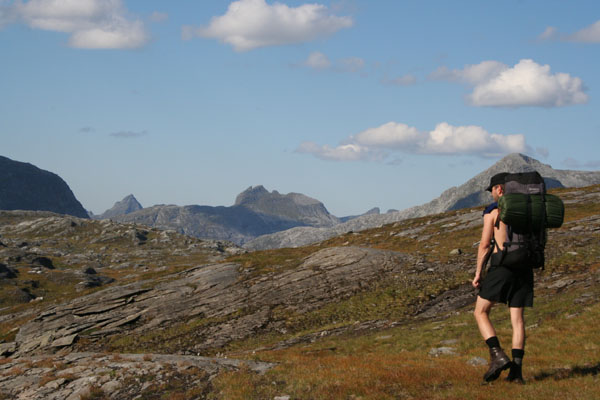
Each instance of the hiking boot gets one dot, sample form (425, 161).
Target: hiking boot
(515, 375)
(498, 363)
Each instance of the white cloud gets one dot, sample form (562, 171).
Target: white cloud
(529, 84)
(344, 152)
(448, 139)
(549, 34)
(250, 24)
(375, 144)
(317, 60)
(471, 74)
(93, 24)
(590, 34)
(392, 135)
(526, 84)
(120, 34)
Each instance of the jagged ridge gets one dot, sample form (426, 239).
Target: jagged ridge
(469, 194)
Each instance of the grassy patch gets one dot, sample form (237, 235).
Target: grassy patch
(395, 363)
(262, 262)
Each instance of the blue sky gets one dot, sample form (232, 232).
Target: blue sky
(356, 103)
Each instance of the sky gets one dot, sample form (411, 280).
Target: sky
(356, 103)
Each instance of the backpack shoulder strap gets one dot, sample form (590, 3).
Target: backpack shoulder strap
(490, 208)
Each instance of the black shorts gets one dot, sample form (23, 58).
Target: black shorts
(509, 286)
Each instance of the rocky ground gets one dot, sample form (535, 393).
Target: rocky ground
(97, 309)
(73, 375)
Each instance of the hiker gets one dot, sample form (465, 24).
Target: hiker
(512, 286)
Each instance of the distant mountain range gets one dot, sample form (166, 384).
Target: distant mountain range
(256, 212)
(26, 187)
(472, 193)
(259, 219)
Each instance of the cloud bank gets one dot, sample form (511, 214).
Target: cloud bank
(344, 152)
(250, 24)
(526, 84)
(589, 34)
(376, 144)
(93, 24)
(317, 60)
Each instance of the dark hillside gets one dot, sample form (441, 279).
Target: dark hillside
(26, 187)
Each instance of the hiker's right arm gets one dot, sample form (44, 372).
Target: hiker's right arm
(484, 244)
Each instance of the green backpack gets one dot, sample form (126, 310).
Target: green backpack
(528, 211)
(521, 210)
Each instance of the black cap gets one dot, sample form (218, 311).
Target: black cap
(497, 179)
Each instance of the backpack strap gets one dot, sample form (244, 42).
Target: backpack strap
(490, 208)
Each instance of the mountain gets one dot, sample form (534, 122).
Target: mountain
(126, 206)
(372, 211)
(292, 206)
(256, 212)
(470, 194)
(237, 223)
(24, 186)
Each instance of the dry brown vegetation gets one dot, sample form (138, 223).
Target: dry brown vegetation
(390, 361)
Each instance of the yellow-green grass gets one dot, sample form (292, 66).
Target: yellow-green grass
(262, 262)
(562, 360)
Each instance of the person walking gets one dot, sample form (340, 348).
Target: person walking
(511, 286)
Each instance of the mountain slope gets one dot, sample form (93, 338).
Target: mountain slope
(470, 194)
(24, 186)
(126, 206)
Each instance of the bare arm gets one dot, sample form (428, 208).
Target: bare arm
(484, 245)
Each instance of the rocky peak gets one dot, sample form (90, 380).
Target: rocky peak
(372, 211)
(126, 206)
(293, 206)
(252, 194)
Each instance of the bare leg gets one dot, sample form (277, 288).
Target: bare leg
(518, 326)
(482, 316)
(499, 361)
(518, 343)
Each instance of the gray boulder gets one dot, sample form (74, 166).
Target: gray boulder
(43, 262)
(6, 272)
